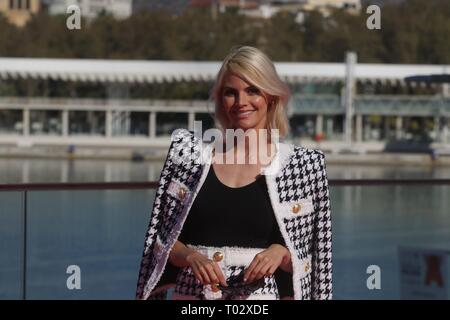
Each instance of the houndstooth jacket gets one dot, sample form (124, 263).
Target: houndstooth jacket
(298, 190)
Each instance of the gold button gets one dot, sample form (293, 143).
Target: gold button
(307, 267)
(218, 256)
(215, 287)
(296, 208)
(182, 193)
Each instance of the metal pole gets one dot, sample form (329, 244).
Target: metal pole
(191, 119)
(108, 122)
(319, 124)
(152, 124)
(26, 122)
(445, 90)
(24, 257)
(65, 123)
(350, 61)
(359, 127)
(398, 127)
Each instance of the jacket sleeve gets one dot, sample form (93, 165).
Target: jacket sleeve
(321, 279)
(148, 261)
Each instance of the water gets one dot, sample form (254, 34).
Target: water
(102, 231)
(370, 224)
(55, 170)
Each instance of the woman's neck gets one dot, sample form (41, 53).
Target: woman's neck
(247, 149)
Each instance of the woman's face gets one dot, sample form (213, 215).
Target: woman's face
(244, 105)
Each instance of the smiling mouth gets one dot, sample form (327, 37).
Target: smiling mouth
(243, 114)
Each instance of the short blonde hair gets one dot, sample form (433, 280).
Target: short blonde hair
(255, 67)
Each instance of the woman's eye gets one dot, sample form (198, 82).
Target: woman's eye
(228, 93)
(253, 90)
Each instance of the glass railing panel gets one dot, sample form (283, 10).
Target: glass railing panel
(99, 232)
(102, 233)
(11, 245)
(371, 223)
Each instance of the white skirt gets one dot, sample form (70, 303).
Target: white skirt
(233, 262)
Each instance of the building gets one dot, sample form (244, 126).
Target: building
(120, 9)
(316, 113)
(268, 8)
(238, 4)
(325, 6)
(18, 12)
(173, 6)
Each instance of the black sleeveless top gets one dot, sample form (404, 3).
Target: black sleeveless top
(224, 216)
(243, 217)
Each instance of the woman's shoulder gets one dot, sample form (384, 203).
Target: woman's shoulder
(313, 160)
(292, 155)
(185, 147)
(310, 153)
(183, 140)
(181, 135)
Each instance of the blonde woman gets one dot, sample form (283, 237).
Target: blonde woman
(251, 220)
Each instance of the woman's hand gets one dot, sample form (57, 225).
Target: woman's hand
(266, 263)
(205, 270)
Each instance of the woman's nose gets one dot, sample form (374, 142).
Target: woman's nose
(241, 98)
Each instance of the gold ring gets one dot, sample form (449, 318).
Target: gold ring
(215, 287)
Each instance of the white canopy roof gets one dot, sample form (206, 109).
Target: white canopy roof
(141, 71)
